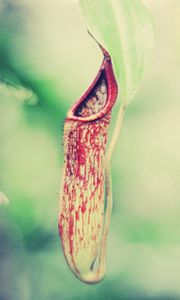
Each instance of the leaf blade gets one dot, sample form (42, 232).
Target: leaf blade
(126, 30)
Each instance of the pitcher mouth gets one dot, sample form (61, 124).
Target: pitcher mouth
(99, 98)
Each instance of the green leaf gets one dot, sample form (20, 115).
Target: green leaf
(125, 29)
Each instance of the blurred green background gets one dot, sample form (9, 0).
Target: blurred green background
(44, 46)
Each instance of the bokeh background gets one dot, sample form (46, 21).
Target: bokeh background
(50, 60)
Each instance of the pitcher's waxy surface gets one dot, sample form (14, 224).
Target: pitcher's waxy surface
(82, 208)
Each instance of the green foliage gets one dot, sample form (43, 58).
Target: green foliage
(125, 29)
